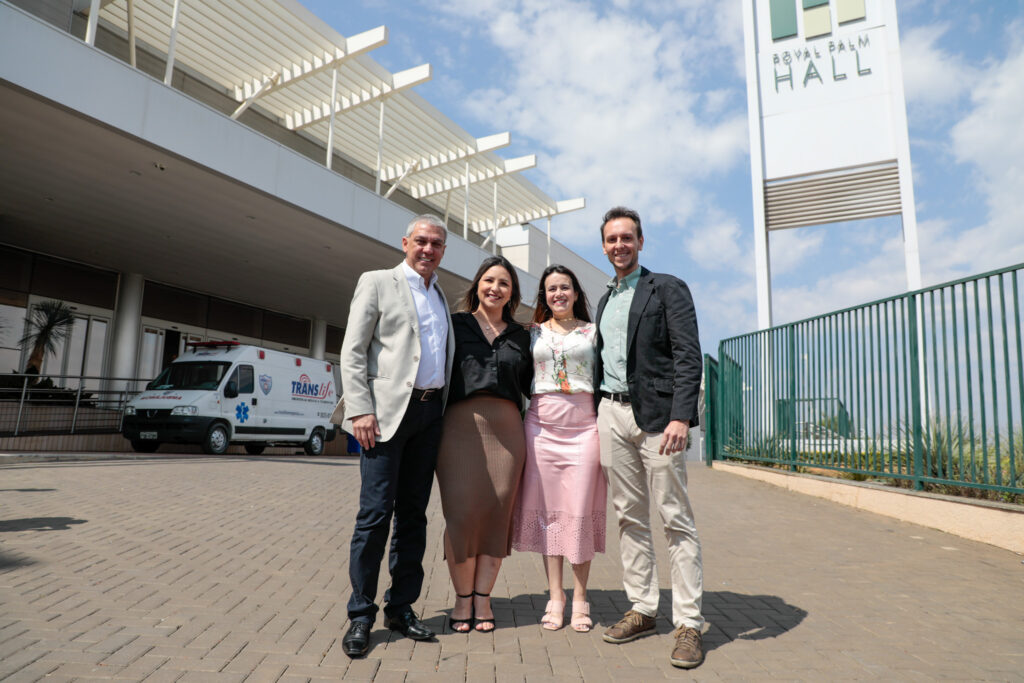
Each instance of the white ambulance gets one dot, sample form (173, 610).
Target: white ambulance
(220, 393)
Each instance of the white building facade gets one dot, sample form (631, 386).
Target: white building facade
(180, 171)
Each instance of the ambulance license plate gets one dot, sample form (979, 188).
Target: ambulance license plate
(147, 436)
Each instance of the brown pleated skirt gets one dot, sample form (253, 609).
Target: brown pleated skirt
(479, 466)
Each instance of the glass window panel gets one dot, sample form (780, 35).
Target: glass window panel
(240, 319)
(149, 353)
(71, 282)
(12, 326)
(53, 363)
(245, 383)
(15, 269)
(334, 339)
(285, 329)
(10, 360)
(76, 352)
(173, 304)
(94, 351)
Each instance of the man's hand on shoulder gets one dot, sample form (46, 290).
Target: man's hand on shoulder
(366, 430)
(673, 439)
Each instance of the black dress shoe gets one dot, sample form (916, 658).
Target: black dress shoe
(357, 640)
(410, 626)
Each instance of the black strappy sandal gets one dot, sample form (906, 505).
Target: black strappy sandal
(452, 621)
(484, 620)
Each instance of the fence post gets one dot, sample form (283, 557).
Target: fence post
(710, 412)
(915, 391)
(21, 405)
(78, 402)
(791, 352)
(121, 403)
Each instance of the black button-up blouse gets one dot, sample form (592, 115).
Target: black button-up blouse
(504, 368)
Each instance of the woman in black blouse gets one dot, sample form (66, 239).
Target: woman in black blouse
(480, 461)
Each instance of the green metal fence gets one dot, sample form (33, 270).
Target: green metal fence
(926, 388)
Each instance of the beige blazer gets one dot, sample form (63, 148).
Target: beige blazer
(380, 354)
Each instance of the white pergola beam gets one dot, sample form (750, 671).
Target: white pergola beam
(567, 205)
(94, 17)
(172, 42)
(562, 206)
(267, 85)
(412, 169)
(452, 182)
(349, 101)
(296, 72)
(436, 159)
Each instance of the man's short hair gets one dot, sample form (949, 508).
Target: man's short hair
(622, 212)
(429, 219)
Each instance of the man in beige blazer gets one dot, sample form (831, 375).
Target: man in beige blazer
(395, 363)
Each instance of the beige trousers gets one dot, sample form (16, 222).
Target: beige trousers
(638, 474)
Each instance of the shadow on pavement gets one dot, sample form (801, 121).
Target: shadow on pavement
(730, 616)
(8, 561)
(332, 460)
(25, 490)
(39, 524)
(735, 616)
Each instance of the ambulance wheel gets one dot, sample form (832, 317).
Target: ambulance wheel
(315, 445)
(217, 440)
(140, 446)
(255, 448)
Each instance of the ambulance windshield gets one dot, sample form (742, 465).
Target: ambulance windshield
(202, 376)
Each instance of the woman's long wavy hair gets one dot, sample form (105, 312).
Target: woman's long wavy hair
(580, 309)
(472, 298)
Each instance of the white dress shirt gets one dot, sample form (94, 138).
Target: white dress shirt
(433, 325)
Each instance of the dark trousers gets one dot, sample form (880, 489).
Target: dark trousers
(397, 476)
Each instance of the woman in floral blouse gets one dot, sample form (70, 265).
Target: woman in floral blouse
(560, 511)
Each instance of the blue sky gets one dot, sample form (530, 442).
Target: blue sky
(643, 103)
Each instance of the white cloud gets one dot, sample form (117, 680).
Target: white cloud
(989, 137)
(931, 75)
(615, 102)
(717, 242)
(790, 248)
(871, 278)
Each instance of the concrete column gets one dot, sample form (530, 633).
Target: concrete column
(127, 326)
(318, 341)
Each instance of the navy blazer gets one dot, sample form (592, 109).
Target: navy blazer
(663, 359)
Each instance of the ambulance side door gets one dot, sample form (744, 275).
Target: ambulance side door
(243, 409)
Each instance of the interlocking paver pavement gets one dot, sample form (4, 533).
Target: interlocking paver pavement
(236, 569)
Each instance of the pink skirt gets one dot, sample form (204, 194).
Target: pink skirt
(561, 506)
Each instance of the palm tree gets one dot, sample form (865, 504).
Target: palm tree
(49, 323)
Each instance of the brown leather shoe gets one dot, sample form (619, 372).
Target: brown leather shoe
(689, 650)
(630, 627)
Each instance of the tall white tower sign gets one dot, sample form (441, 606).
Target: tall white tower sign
(828, 122)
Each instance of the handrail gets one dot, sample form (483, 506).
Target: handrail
(923, 389)
(971, 278)
(65, 404)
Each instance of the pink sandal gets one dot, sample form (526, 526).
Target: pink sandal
(581, 617)
(554, 615)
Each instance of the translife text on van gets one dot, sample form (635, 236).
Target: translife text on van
(221, 393)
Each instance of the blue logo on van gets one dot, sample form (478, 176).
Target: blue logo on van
(242, 412)
(266, 381)
(305, 387)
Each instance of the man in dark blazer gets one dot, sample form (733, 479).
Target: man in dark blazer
(647, 378)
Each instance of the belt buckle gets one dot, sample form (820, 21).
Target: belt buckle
(427, 393)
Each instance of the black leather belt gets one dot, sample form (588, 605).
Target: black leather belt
(618, 398)
(426, 394)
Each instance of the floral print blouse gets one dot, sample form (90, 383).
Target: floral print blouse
(563, 363)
